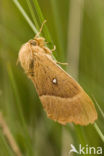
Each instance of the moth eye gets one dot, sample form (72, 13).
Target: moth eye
(33, 42)
(54, 81)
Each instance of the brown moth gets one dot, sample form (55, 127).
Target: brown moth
(62, 97)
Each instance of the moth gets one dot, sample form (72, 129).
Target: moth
(62, 97)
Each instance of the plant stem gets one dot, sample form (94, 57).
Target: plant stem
(20, 112)
(74, 33)
(101, 111)
(58, 25)
(32, 13)
(99, 131)
(25, 16)
(41, 19)
(9, 136)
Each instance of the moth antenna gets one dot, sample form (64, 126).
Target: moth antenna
(41, 28)
(66, 64)
(54, 48)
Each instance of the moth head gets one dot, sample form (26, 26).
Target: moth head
(40, 41)
(28, 50)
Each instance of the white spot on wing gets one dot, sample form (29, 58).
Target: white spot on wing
(54, 81)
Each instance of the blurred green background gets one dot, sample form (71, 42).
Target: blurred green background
(76, 27)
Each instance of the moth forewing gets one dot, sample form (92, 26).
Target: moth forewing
(62, 97)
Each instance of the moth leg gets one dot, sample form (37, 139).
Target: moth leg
(66, 64)
(41, 28)
(47, 50)
(54, 48)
